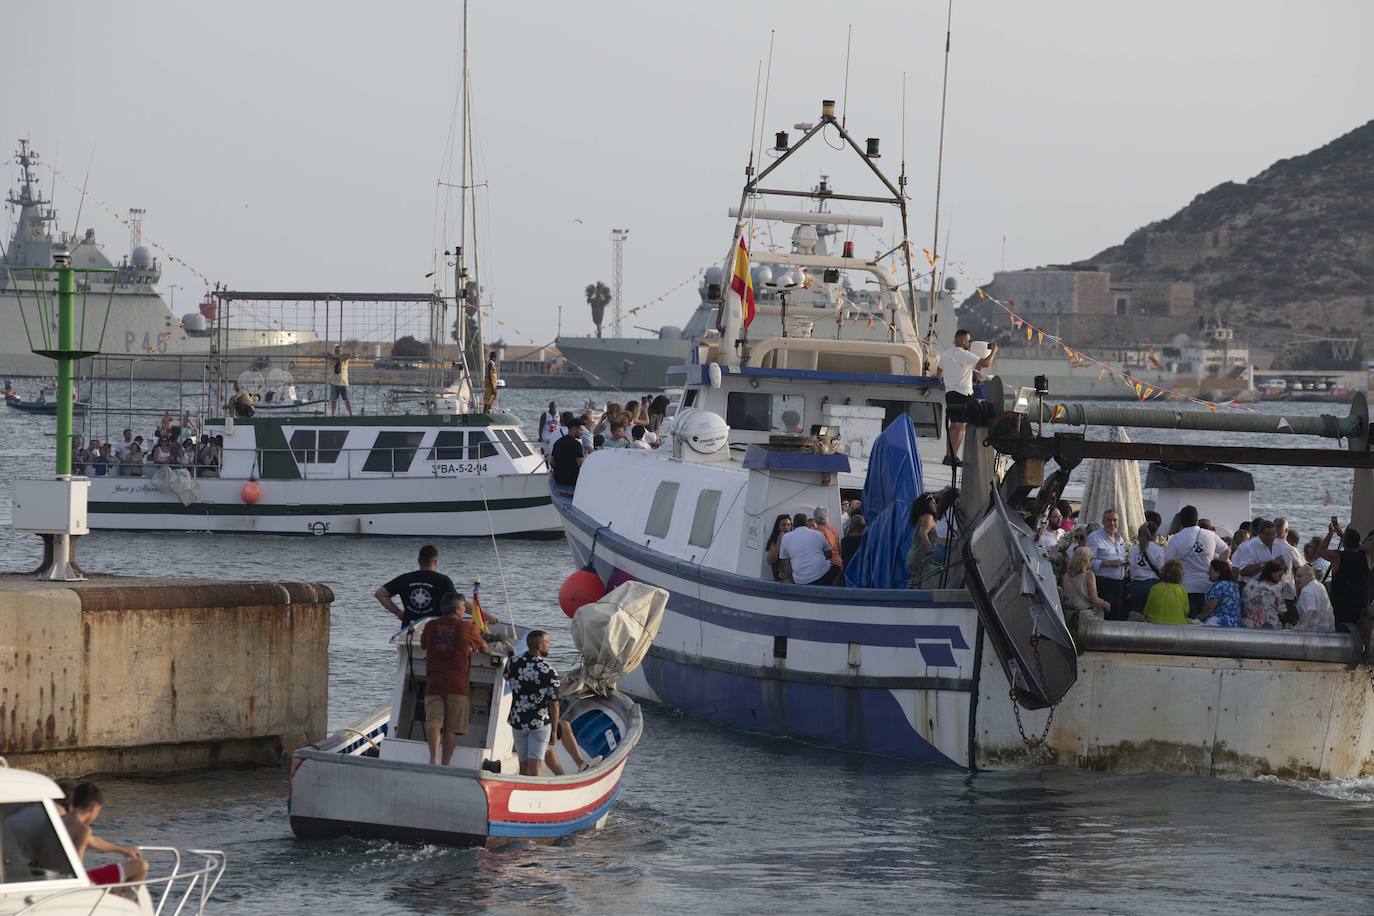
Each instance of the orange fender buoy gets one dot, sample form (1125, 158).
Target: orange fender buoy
(251, 493)
(583, 586)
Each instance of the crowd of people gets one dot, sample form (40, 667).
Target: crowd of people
(1258, 578)
(566, 439)
(172, 444)
(808, 550)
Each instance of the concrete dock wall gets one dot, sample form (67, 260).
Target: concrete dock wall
(1217, 716)
(118, 675)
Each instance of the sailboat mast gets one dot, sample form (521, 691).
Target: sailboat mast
(939, 179)
(460, 262)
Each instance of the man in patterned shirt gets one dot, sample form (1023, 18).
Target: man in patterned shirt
(534, 701)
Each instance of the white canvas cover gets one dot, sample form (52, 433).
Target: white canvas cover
(613, 635)
(1114, 484)
(178, 482)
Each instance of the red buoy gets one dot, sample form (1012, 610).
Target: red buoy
(583, 586)
(251, 492)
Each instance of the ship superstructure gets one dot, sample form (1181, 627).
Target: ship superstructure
(140, 321)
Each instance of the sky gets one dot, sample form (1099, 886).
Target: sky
(300, 145)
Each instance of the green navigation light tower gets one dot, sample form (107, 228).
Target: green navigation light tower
(55, 509)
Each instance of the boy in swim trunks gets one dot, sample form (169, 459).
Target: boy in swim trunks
(86, 803)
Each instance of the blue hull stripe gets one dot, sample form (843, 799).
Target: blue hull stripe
(856, 719)
(827, 631)
(554, 828)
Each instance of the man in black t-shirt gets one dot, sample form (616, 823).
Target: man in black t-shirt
(567, 455)
(419, 591)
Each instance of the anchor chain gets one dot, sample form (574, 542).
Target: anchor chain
(1040, 670)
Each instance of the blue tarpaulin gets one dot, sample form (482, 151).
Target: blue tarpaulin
(892, 485)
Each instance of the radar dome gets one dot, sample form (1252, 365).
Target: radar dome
(141, 257)
(669, 332)
(804, 239)
(193, 323)
(763, 274)
(700, 430)
(713, 274)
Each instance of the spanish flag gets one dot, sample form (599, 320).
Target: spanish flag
(741, 284)
(479, 619)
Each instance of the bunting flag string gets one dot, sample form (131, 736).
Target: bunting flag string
(1144, 390)
(167, 255)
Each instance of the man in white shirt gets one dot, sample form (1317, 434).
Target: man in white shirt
(960, 361)
(1267, 545)
(550, 429)
(1195, 548)
(1314, 605)
(807, 555)
(121, 449)
(1109, 564)
(637, 438)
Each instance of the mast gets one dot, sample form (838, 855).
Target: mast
(939, 178)
(460, 262)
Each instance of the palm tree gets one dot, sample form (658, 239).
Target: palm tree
(598, 297)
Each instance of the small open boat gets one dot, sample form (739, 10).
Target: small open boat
(374, 779)
(44, 403)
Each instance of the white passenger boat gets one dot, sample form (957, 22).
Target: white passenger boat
(374, 780)
(970, 676)
(423, 474)
(40, 872)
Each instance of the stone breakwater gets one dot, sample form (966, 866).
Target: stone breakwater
(124, 675)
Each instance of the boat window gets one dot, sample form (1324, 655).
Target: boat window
(303, 445)
(704, 520)
(925, 415)
(775, 413)
(689, 397)
(515, 445)
(747, 410)
(331, 444)
(661, 512)
(393, 451)
(448, 445)
(480, 446)
(32, 850)
(321, 446)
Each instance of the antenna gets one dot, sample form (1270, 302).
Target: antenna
(767, 80)
(618, 237)
(844, 99)
(136, 215)
(939, 177)
(82, 202)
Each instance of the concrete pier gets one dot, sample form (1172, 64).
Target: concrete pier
(136, 675)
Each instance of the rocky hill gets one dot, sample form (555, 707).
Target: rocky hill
(1292, 247)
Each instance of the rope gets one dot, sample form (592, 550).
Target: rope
(500, 571)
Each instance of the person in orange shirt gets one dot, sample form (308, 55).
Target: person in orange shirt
(832, 536)
(449, 642)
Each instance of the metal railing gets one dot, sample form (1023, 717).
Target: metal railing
(400, 462)
(198, 885)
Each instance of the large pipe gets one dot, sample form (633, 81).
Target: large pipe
(1224, 642)
(810, 219)
(1325, 425)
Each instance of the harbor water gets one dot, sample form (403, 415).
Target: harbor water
(716, 821)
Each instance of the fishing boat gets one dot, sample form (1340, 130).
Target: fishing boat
(42, 873)
(970, 668)
(374, 779)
